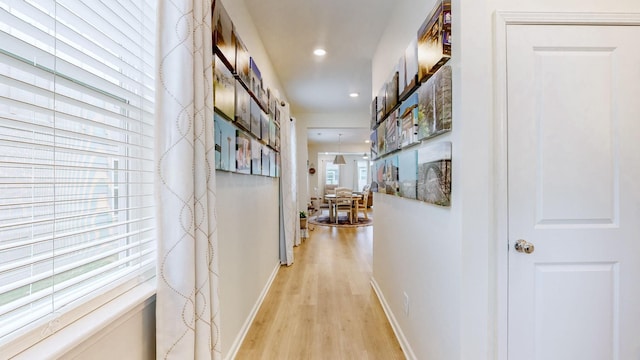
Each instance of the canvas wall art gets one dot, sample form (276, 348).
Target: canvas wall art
(373, 140)
(225, 143)
(411, 68)
(224, 37)
(432, 51)
(435, 105)
(408, 120)
(266, 156)
(277, 140)
(243, 107)
(434, 174)
(391, 132)
(377, 180)
(382, 141)
(243, 152)
(278, 161)
(380, 103)
(264, 127)
(391, 97)
(243, 63)
(224, 90)
(390, 176)
(408, 174)
(256, 157)
(272, 133)
(256, 127)
(272, 164)
(255, 77)
(402, 78)
(374, 114)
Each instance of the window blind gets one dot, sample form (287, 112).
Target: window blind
(76, 154)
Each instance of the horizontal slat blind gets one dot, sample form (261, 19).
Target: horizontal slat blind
(76, 154)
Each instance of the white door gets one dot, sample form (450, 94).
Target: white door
(574, 192)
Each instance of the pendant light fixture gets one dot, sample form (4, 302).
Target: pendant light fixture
(339, 160)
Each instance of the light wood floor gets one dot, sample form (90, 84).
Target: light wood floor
(323, 306)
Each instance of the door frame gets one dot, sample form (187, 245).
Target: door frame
(503, 19)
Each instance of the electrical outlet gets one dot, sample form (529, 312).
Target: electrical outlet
(406, 303)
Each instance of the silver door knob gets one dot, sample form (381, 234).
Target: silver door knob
(524, 246)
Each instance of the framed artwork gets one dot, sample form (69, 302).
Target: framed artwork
(224, 90)
(243, 152)
(408, 174)
(391, 132)
(411, 69)
(266, 155)
(256, 128)
(243, 107)
(264, 127)
(387, 175)
(278, 165)
(271, 101)
(378, 183)
(434, 174)
(272, 164)
(382, 141)
(264, 99)
(256, 157)
(225, 143)
(224, 37)
(435, 105)
(374, 113)
(408, 120)
(243, 63)
(402, 78)
(374, 143)
(432, 50)
(272, 133)
(380, 103)
(255, 77)
(277, 141)
(391, 97)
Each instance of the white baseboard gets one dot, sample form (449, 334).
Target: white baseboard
(404, 344)
(233, 351)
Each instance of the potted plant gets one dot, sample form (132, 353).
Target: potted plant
(303, 219)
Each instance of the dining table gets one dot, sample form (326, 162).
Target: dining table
(333, 199)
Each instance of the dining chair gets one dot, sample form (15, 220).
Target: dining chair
(344, 203)
(363, 203)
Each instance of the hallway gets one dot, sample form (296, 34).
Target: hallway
(323, 307)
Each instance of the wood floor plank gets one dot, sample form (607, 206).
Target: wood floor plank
(323, 306)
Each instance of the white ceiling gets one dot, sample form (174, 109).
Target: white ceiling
(331, 135)
(349, 30)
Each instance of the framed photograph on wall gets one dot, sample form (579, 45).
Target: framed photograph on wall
(256, 78)
(380, 104)
(224, 90)
(411, 69)
(243, 63)
(243, 107)
(373, 138)
(391, 132)
(264, 127)
(266, 156)
(435, 105)
(256, 127)
(408, 174)
(224, 37)
(408, 120)
(434, 174)
(391, 97)
(225, 143)
(382, 138)
(243, 152)
(374, 113)
(256, 157)
(432, 50)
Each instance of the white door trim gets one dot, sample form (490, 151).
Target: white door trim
(502, 19)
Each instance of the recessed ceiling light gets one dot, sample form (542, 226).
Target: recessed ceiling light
(319, 52)
(367, 141)
(354, 94)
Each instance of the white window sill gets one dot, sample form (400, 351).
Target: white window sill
(109, 315)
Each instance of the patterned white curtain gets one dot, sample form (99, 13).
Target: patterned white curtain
(289, 229)
(187, 305)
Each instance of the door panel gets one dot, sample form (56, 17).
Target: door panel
(574, 191)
